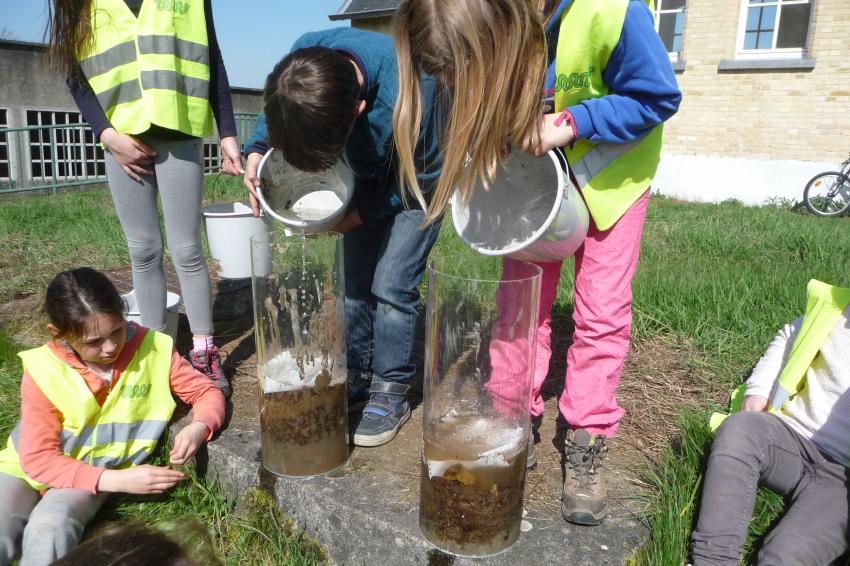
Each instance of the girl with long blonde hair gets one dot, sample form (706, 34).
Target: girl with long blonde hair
(612, 87)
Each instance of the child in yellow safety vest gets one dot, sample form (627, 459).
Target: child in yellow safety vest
(95, 401)
(790, 434)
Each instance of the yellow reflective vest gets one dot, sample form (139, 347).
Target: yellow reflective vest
(121, 433)
(611, 176)
(150, 69)
(824, 306)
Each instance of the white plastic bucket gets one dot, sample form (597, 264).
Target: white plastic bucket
(531, 211)
(229, 230)
(172, 311)
(305, 202)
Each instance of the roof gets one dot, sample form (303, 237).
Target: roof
(356, 9)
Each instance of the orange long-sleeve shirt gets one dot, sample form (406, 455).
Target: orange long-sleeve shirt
(40, 451)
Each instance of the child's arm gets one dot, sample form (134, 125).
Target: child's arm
(761, 382)
(207, 402)
(644, 92)
(40, 450)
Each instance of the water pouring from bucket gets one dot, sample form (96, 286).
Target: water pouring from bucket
(305, 202)
(531, 211)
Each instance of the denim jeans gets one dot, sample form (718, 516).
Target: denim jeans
(383, 268)
(758, 448)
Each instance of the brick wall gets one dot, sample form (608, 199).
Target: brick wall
(774, 114)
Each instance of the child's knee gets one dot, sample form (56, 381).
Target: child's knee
(745, 431)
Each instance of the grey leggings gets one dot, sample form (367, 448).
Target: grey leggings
(753, 449)
(44, 528)
(179, 180)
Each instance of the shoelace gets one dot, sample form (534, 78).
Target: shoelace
(591, 459)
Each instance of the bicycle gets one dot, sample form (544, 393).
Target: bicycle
(827, 194)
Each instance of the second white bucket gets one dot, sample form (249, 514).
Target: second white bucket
(229, 230)
(172, 311)
(531, 211)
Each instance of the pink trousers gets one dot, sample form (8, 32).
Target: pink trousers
(604, 267)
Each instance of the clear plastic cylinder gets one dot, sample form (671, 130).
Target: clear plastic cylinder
(299, 317)
(479, 362)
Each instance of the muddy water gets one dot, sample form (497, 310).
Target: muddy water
(305, 431)
(472, 483)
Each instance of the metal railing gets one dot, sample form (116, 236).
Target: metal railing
(47, 158)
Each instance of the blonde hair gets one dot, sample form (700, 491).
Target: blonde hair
(489, 57)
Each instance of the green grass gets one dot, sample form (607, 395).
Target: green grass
(45, 234)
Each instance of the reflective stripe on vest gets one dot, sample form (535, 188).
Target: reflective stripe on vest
(125, 430)
(824, 306)
(611, 176)
(153, 69)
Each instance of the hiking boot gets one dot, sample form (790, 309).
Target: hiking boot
(358, 390)
(208, 362)
(585, 497)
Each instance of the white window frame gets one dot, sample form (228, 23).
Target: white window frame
(773, 52)
(83, 161)
(8, 142)
(674, 55)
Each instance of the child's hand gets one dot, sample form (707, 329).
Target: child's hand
(134, 157)
(231, 157)
(187, 442)
(755, 403)
(350, 220)
(252, 181)
(142, 480)
(552, 136)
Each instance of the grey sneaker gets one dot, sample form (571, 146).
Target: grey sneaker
(382, 418)
(585, 497)
(530, 456)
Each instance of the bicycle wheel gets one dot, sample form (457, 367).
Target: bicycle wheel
(828, 194)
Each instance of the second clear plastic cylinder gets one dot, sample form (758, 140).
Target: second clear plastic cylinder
(300, 335)
(479, 362)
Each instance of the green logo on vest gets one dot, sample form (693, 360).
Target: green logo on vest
(572, 81)
(175, 6)
(135, 391)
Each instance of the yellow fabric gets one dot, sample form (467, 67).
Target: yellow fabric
(590, 30)
(131, 88)
(824, 306)
(141, 402)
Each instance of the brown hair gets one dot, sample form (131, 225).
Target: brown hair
(69, 29)
(310, 104)
(188, 543)
(74, 295)
(490, 56)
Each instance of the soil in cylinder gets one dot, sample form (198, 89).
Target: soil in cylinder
(304, 431)
(470, 494)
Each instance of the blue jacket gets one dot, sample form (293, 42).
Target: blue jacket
(369, 150)
(644, 92)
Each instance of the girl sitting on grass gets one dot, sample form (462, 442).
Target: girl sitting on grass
(791, 437)
(95, 401)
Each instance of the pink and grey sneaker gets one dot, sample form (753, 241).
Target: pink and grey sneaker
(208, 362)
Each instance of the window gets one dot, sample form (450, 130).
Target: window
(5, 164)
(670, 23)
(774, 28)
(62, 150)
(212, 156)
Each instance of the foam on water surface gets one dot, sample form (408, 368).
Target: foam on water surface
(285, 372)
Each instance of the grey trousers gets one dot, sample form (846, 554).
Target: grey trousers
(51, 525)
(758, 448)
(178, 179)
